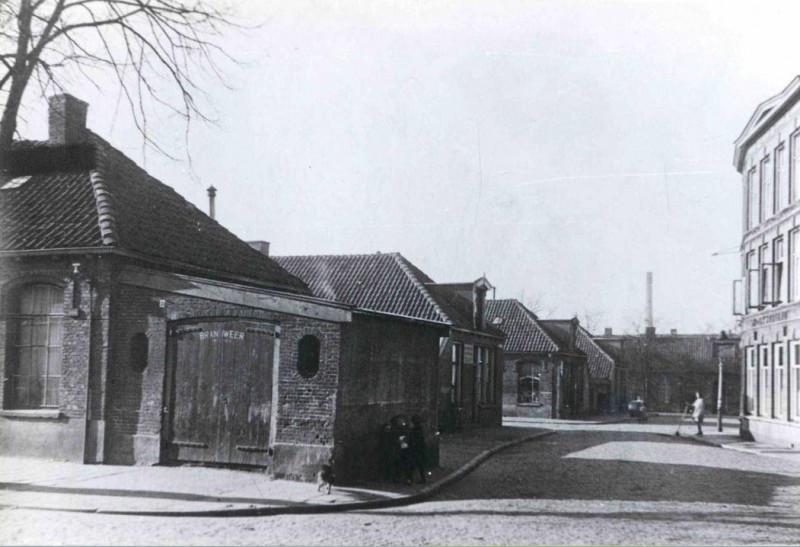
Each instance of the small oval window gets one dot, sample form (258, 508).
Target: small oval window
(308, 356)
(139, 351)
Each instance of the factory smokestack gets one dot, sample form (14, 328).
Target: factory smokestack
(649, 311)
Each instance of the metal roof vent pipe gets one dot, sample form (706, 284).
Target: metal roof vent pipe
(212, 194)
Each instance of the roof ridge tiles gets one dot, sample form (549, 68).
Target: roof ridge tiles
(106, 218)
(534, 320)
(595, 343)
(402, 262)
(345, 255)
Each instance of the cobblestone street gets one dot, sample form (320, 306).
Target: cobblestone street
(620, 484)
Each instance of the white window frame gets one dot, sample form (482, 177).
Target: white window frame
(794, 265)
(751, 380)
(753, 280)
(767, 189)
(753, 199)
(765, 276)
(778, 271)
(794, 380)
(794, 165)
(764, 384)
(779, 380)
(781, 181)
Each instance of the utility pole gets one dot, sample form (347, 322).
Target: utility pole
(719, 348)
(719, 396)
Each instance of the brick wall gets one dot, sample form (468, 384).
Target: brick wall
(305, 409)
(511, 375)
(62, 436)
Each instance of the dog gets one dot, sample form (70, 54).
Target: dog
(325, 477)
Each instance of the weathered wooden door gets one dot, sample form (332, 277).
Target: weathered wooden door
(221, 392)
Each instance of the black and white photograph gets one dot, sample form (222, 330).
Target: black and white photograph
(399, 272)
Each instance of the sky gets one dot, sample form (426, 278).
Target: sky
(563, 149)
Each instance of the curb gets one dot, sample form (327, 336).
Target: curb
(410, 499)
(543, 425)
(694, 438)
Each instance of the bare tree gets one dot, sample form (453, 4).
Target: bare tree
(591, 319)
(537, 304)
(155, 50)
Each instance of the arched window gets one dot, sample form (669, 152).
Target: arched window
(34, 359)
(308, 356)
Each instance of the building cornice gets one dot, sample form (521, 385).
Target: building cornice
(762, 119)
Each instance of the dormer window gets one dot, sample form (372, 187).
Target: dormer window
(16, 182)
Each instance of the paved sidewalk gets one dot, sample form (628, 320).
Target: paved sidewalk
(666, 424)
(43, 484)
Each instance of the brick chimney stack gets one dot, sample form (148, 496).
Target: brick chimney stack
(479, 289)
(66, 119)
(260, 246)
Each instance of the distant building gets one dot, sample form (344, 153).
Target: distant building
(546, 363)
(767, 155)
(667, 369)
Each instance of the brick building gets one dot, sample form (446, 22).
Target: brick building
(545, 369)
(666, 369)
(467, 350)
(767, 155)
(605, 374)
(137, 330)
(470, 364)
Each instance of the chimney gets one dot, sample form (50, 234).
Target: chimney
(573, 333)
(608, 332)
(212, 193)
(649, 311)
(673, 332)
(66, 119)
(479, 290)
(260, 246)
(650, 331)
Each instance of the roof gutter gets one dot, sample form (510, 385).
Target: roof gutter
(213, 274)
(479, 333)
(424, 322)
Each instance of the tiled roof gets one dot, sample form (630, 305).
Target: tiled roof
(670, 351)
(381, 282)
(601, 364)
(610, 348)
(523, 332)
(559, 331)
(49, 211)
(118, 205)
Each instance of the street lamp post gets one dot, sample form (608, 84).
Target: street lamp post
(719, 397)
(719, 346)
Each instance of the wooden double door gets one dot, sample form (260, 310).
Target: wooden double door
(219, 392)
